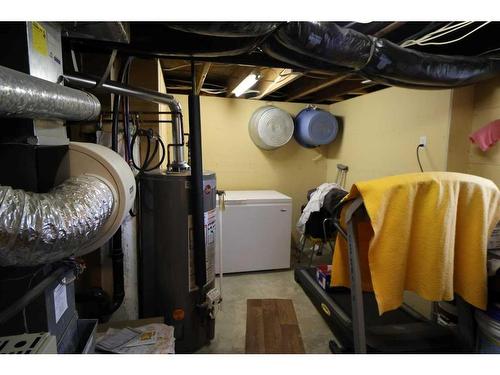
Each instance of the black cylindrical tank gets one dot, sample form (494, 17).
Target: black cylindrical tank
(167, 283)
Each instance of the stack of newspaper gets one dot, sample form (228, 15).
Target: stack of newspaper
(153, 338)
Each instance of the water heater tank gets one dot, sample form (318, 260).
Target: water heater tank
(270, 127)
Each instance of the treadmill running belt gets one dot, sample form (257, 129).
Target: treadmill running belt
(397, 331)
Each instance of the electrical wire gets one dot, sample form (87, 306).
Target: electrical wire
(418, 157)
(448, 28)
(73, 59)
(106, 73)
(178, 67)
(126, 111)
(457, 39)
(489, 51)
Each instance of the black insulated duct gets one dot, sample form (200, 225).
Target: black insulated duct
(381, 60)
(278, 51)
(227, 29)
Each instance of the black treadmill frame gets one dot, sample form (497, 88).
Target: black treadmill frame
(352, 330)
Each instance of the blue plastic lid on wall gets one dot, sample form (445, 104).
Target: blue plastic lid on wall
(315, 127)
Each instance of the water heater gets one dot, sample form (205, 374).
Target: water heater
(167, 281)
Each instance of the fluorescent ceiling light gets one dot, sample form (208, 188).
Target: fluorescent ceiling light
(247, 83)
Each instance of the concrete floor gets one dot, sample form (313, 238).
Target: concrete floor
(230, 324)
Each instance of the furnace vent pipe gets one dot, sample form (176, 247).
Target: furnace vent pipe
(25, 96)
(39, 228)
(89, 82)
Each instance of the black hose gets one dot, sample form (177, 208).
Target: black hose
(117, 100)
(162, 158)
(118, 274)
(149, 156)
(114, 126)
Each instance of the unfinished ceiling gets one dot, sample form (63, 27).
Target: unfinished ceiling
(218, 71)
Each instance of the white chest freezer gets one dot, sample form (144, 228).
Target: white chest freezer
(255, 229)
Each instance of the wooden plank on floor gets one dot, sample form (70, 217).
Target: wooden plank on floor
(254, 342)
(272, 327)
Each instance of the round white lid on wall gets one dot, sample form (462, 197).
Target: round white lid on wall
(270, 127)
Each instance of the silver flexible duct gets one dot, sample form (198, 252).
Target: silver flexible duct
(42, 228)
(25, 96)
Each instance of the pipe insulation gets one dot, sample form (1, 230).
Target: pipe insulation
(25, 96)
(379, 59)
(38, 228)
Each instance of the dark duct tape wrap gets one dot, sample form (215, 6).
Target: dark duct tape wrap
(187, 44)
(25, 96)
(43, 228)
(390, 61)
(381, 60)
(273, 48)
(226, 29)
(327, 42)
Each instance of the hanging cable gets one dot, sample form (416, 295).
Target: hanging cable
(455, 40)
(117, 100)
(448, 28)
(149, 155)
(126, 111)
(418, 157)
(106, 73)
(425, 40)
(73, 59)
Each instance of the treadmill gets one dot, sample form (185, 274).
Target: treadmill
(353, 314)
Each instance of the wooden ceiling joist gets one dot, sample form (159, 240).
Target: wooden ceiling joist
(315, 86)
(201, 75)
(273, 79)
(343, 88)
(388, 29)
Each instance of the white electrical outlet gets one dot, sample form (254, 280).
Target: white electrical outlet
(423, 140)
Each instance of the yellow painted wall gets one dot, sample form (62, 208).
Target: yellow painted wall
(473, 107)
(486, 109)
(240, 165)
(381, 130)
(380, 133)
(462, 112)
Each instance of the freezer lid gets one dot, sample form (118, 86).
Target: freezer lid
(240, 197)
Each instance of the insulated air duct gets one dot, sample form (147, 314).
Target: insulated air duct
(76, 217)
(25, 96)
(379, 59)
(42, 228)
(226, 29)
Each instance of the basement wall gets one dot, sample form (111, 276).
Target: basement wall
(474, 107)
(381, 130)
(240, 165)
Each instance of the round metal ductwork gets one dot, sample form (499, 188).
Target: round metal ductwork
(270, 127)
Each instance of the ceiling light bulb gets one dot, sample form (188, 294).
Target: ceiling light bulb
(246, 84)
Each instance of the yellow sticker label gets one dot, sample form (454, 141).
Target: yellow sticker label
(39, 39)
(326, 309)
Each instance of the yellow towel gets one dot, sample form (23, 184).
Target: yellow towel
(427, 233)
